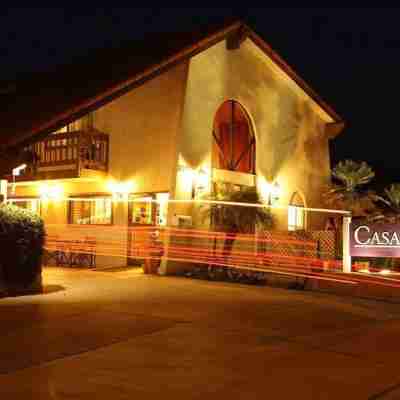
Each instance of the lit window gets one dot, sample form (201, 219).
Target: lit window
(296, 213)
(151, 209)
(91, 211)
(295, 218)
(31, 204)
(141, 210)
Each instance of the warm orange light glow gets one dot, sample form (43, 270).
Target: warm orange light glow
(120, 190)
(270, 192)
(186, 178)
(202, 180)
(207, 248)
(54, 193)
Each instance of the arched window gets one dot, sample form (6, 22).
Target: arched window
(234, 146)
(296, 213)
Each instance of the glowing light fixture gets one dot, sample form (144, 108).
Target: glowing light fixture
(193, 181)
(54, 193)
(17, 171)
(276, 191)
(120, 190)
(186, 177)
(271, 192)
(202, 180)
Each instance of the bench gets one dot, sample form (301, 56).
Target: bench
(70, 252)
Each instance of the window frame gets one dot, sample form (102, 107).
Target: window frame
(16, 199)
(295, 210)
(154, 206)
(105, 196)
(229, 162)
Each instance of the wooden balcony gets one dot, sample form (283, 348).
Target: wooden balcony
(67, 155)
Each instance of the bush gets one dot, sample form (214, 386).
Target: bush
(22, 237)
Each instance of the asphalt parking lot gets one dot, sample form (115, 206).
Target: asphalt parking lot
(125, 335)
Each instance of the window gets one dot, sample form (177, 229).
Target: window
(148, 209)
(141, 210)
(295, 218)
(33, 205)
(91, 211)
(234, 141)
(85, 123)
(296, 213)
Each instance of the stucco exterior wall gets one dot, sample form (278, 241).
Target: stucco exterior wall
(168, 122)
(143, 126)
(108, 237)
(290, 144)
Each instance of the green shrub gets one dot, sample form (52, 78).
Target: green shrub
(22, 237)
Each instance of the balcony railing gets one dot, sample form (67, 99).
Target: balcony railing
(67, 155)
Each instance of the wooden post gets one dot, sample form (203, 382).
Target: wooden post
(346, 244)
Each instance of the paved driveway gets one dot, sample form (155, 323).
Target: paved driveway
(124, 335)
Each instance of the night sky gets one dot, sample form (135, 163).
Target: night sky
(350, 56)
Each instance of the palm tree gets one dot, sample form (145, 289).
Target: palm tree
(390, 214)
(234, 219)
(350, 193)
(391, 200)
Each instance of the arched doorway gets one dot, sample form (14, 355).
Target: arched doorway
(296, 213)
(234, 144)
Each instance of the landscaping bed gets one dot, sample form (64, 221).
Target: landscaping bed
(224, 274)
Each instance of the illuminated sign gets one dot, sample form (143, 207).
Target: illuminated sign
(375, 240)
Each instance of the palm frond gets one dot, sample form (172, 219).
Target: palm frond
(392, 197)
(349, 193)
(237, 218)
(353, 174)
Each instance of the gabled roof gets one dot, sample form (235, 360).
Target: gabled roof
(53, 99)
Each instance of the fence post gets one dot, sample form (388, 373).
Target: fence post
(346, 244)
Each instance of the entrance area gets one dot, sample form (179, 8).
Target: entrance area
(144, 211)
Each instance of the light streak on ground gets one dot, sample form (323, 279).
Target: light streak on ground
(277, 253)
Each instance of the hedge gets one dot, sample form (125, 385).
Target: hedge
(22, 236)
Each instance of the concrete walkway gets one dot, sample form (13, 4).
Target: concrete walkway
(124, 335)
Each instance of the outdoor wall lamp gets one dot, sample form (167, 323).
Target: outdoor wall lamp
(193, 181)
(54, 193)
(201, 180)
(120, 190)
(275, 193)
(271, 192)
(186, 178)
(16, 172)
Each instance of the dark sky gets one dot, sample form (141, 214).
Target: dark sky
(350, 56)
